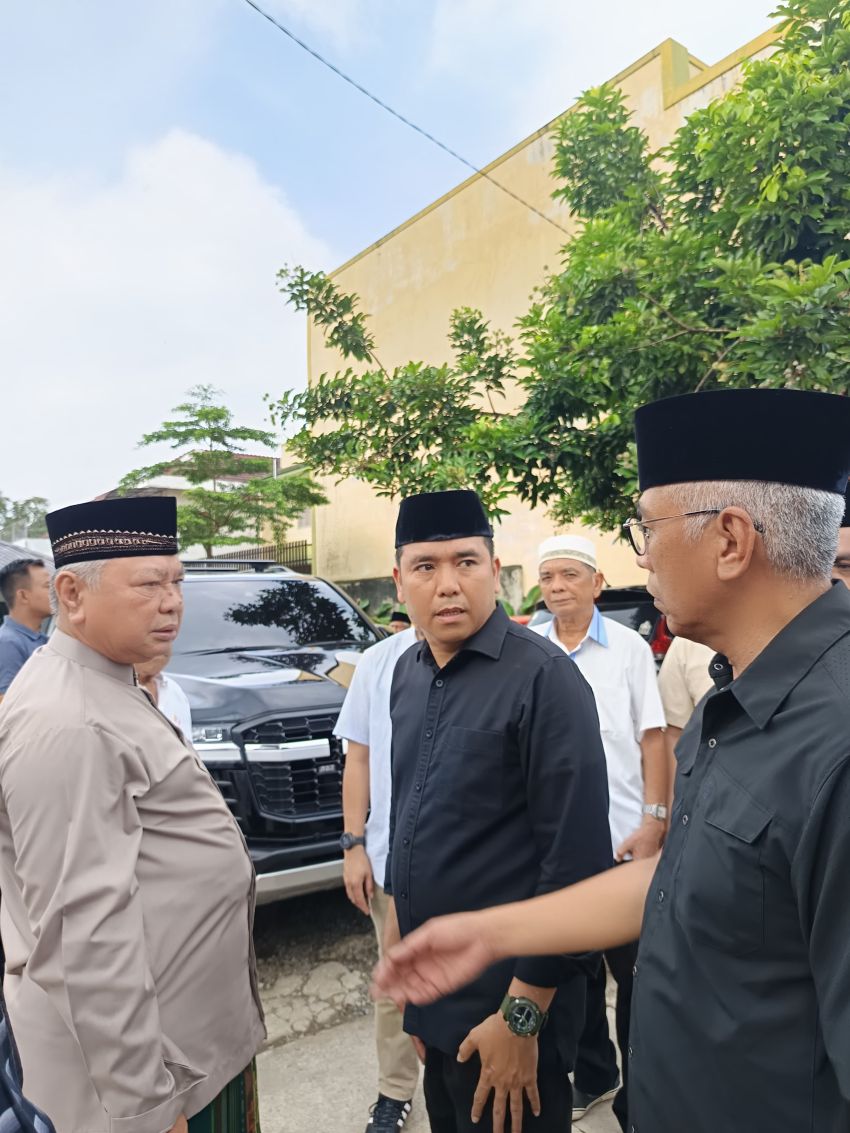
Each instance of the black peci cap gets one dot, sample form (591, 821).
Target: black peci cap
(781, 436)
(400, 616)
(113, 529)
(437, 516)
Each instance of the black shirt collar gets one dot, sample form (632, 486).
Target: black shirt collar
(786, 660)
(488, 640)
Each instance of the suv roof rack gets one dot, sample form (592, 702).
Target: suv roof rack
(258, 566)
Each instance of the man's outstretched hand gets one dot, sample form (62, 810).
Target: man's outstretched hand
(433, 961)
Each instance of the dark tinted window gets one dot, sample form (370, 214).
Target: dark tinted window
(261, 613)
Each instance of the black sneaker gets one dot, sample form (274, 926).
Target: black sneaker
(583, 1103)
(388, 1115)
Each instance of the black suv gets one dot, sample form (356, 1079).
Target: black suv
(265, 656)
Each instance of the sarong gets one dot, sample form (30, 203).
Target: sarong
(234, 1110)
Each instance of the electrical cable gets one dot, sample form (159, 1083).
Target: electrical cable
(400, 117)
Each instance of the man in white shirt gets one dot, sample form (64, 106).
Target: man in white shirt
(366, 789)
(166, 694)
(617, 664)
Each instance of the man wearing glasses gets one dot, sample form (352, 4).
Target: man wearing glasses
(741, 1006)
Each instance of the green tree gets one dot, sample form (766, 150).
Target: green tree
(22, 519)
(417, 427)
(722, 260)
(234, 495)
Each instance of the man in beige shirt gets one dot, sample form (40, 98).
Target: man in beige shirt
(127, 890)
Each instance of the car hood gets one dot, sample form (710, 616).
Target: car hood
(228, 687)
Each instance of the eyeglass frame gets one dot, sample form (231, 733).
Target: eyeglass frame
(630, 525)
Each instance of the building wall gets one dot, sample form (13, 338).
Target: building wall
(478, 247)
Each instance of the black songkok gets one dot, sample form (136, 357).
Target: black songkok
(438, 516)
(845, 522)
(780, 436)
(113, 529)
(400, 616)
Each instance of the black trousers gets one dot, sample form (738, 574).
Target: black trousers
(596, 1061)
(450, 1086)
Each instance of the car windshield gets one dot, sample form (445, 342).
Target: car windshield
(260, 613)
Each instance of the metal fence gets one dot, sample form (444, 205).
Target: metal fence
(297, 556)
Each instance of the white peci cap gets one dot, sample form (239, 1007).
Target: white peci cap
(568, 547)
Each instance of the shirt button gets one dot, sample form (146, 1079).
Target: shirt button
(712, 742)
(439, 683)
(634, 970)
(631, 1053)
(404, 895)
(660, 896)
(685, 820)
(405, 842)
(428, 734)
(417, 786)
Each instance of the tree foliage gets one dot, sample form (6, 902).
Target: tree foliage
(22, 519)
(234, 496)
(417, 427)
(723, 260)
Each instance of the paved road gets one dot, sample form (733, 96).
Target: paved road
(318, 1070)
(325, 1083)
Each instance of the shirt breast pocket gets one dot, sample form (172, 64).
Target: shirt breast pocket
(720, 886)
(473, 776)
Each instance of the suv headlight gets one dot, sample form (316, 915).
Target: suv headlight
(213, 743)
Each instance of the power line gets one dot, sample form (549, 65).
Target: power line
(400, 117)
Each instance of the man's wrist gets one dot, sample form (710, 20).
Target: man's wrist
(654, 812)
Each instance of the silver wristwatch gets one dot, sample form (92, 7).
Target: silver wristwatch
(657, 810)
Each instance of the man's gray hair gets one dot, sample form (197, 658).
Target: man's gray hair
(800, 524)
(88, 572)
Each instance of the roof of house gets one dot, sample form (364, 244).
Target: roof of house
(11, 551)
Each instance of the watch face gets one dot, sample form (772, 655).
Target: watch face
(346, 841)
(524, 1018)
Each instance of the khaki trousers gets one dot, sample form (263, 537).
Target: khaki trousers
(398, 1064)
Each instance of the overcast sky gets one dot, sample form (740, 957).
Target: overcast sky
(160, 160)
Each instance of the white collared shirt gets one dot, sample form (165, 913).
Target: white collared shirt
(617, 664)
(365, 719)
(173, 703)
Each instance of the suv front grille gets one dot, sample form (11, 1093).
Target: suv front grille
(301, 789)
(289, 730)
(295, 764)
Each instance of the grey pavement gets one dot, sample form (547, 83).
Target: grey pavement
(325, 1083)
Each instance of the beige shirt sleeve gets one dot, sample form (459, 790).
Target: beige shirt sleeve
(684, 680)
(77, 835)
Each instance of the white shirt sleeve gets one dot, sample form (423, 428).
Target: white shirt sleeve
(353, 720)
(647, 709)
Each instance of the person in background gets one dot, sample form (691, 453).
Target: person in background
(499, 790)
(684, 679)
(25, 587)
(618, 665)
(365, 724)
(399, 621)
(841, 565)
(741, 1012)
(17, 1115)
(128, 893)
(166, 693)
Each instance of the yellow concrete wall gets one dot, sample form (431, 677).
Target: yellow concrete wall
(477, 247)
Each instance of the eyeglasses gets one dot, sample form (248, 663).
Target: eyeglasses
(639, 533)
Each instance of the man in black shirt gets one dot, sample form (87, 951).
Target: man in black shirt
(741, 1007)
(499, 793)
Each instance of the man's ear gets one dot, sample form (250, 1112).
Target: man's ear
(69, 592)
(398, 587)
(737, 543)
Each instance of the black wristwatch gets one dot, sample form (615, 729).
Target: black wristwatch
(523, 1016)
(349, 841)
